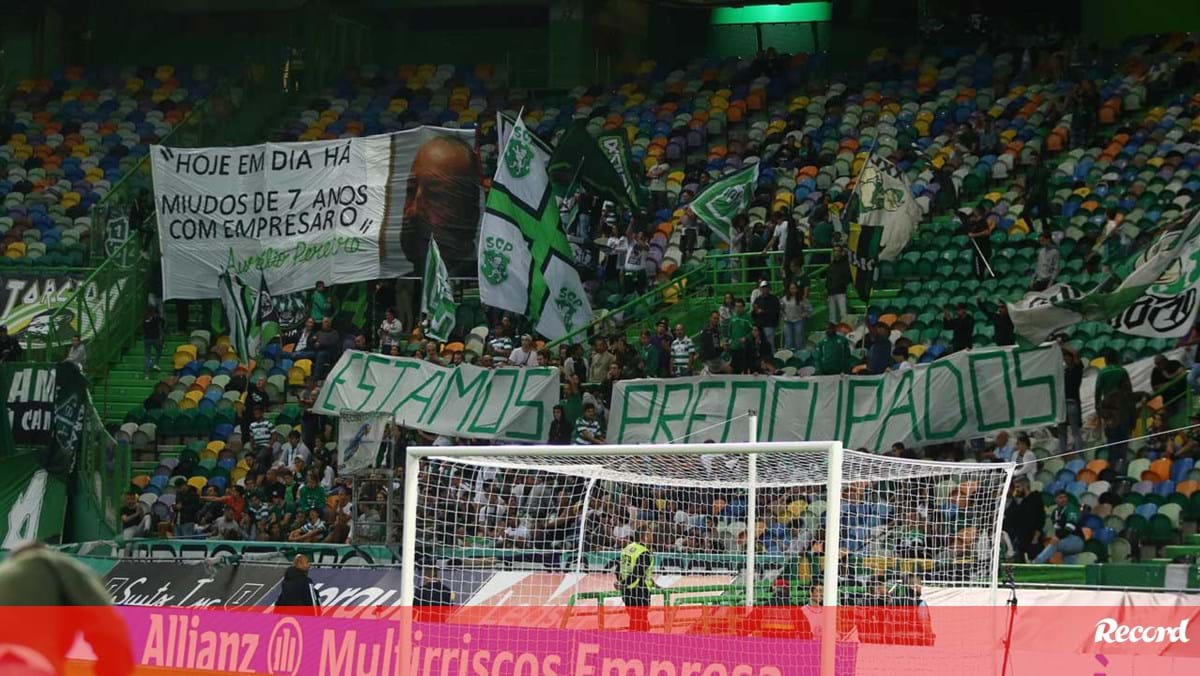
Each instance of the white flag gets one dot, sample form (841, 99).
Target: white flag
(437, 296)
(566, 307)
(886, 200)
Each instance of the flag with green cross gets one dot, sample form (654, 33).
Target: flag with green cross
(525, 261)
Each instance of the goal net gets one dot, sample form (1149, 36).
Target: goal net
(745, 539)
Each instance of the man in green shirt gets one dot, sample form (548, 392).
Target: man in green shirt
(650, 354)
(740, 326)
(832, 354)
(311, 495)
(1065, 520)
(321, 307)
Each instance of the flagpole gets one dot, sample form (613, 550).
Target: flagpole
(981, 256)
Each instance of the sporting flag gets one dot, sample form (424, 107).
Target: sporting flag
(862, 247)
(577, 151)
(886, 201)
(615, 146)
(243, 306)
(437, 296)
(719, 203)
(1130, 292)
(521, 244)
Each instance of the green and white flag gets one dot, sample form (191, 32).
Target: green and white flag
(521, 241)
(243, 309)
(1040, 314)
(886, 200)
(565, 307)
(437, 296)
(719, 203)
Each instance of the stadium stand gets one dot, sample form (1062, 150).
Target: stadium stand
(968, 153)
(68, 139)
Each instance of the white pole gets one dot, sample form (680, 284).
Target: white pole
(408, 556)
(751, 511)
(833, 523)
(408, 540)
(996, 532)
(610, 450)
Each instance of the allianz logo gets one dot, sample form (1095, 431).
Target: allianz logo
(1109, 630)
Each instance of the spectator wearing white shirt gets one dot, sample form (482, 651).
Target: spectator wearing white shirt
(635, 269)
(391, 332)
(525, 355)
(292, 449)
(1004, 448)
(1025, 458)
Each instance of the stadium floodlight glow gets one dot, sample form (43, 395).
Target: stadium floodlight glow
(710, 512)
(796, 12)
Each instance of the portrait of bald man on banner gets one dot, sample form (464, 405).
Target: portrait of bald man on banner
(434, 190)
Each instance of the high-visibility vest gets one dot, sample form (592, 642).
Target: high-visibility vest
(630, 555)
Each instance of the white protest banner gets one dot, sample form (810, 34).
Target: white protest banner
(360, 437)
(337, 211)
(967, 395)
(464, 401)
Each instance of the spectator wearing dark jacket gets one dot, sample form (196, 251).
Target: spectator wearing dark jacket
(297, 594)
(837, 280)
(962, 325)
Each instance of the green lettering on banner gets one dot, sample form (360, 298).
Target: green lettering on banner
(1051, 390)
(905, 383)
(776, 401)
(698, 400)
(331, 385)
(401, 367)
(760, 385)
(931, 435)
(417, 394)
(627, 419)
(664, 418)
(456, 384)
(512, 374)
(363, 375)
(973, 360)
(852, 419)
(534, 404)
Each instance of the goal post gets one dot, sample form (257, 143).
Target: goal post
(729, 524)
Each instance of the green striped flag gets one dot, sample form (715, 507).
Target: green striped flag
(437, 296)
(720, 202)
(243, 308)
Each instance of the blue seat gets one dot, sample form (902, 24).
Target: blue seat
(221, 432)
(1146, 510)
(1105, 535)
(1093, 522)
(1076, 465)
(1076, 488)
(1164, 488)
(1181, 467)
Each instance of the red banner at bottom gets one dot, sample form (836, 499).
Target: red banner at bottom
(604, 641)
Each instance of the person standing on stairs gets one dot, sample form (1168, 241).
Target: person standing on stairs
(152, 340)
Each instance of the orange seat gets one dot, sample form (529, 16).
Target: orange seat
(1187, 487)
(1098, 465)
(1162, 467)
